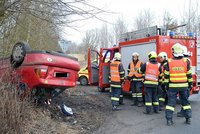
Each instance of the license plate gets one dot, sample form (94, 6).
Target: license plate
(61, 75)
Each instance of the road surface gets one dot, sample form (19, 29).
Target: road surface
(131, 120)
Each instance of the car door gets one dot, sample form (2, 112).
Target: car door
(106, 56)
(93, 67)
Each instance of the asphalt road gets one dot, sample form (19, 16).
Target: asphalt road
(131, 120)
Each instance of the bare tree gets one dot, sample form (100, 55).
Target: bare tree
(168, 22)
(38, 33)
(74, 48)
(62, 10)
(144, 19)
(191, 17)
(90, 40)
(119, 28)
(105, 38)
(39, 21)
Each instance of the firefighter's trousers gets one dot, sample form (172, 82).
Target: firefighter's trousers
(136, 88)
(162, 95)
(121, 97)
(188, 95)
(115, 95)
(151, 99)
(183, 94)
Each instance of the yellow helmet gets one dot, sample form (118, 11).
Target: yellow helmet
(135, 54)
(177, 50)
(163, 55)
(117, 56)
(152, 54)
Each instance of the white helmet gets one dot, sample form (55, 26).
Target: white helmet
(117, 56)
(135, 54)
(185, 52)
(163, 55)
(177, 50)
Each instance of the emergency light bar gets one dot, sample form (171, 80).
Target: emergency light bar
(190, 34)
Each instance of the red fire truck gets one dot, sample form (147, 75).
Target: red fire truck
(143, 41)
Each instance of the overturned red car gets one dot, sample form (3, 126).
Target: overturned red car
(46, 74)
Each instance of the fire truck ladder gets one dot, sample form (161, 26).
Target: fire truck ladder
(143, 33)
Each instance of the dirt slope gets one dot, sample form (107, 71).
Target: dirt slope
(90, 111)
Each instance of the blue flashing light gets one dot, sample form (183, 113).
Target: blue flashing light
(171, 33)
(190, 34)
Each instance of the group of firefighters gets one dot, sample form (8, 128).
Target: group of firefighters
(162, 82)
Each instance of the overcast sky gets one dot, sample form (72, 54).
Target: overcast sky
(129, 9)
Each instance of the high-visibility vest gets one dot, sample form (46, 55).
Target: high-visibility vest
(178, 70)
(152, 72)
(133, 69)
(114, 71)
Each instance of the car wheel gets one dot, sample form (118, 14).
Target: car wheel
(83, 81)
(18, 53)
(101, 89)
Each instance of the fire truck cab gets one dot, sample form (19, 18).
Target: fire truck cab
(99, 72)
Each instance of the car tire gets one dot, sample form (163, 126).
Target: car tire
(18, 53)
(83, 81)
(101, 89)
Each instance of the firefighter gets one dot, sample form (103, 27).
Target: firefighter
(136, 80)
(117, 74)
(162, 92)
(186, 55)
(178, 78)
(152, 71)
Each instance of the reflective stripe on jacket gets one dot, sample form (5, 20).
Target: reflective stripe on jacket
(134, 68)
(114, 71)
(152, 73)
(175, 75)
(162, 78)
(178, 70)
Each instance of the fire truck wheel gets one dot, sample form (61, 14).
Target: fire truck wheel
(101, 89)
(83, 81)
(18, 53)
